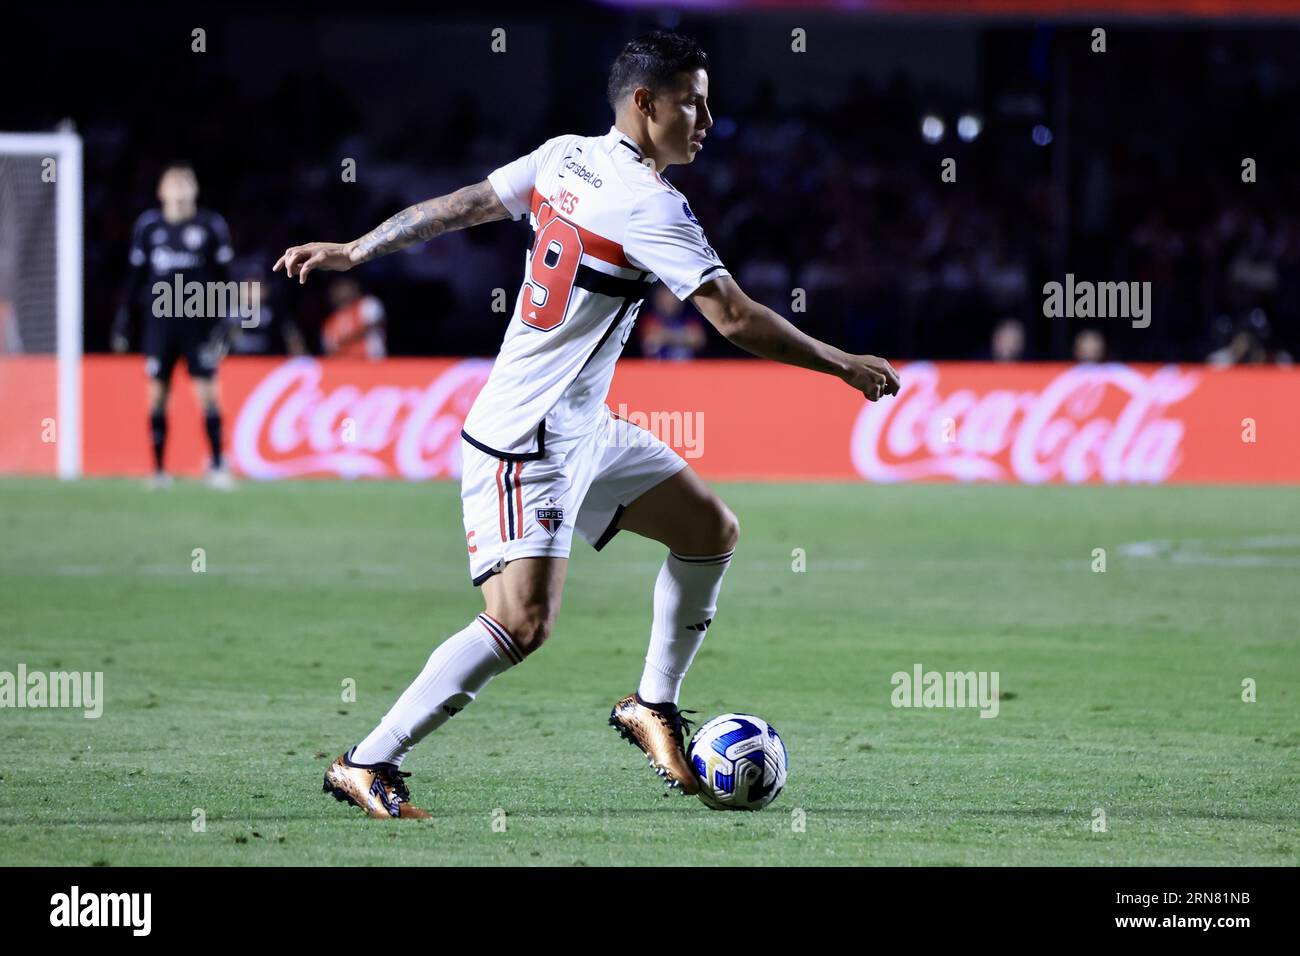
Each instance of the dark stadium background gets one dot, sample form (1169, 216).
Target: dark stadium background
(815, 176)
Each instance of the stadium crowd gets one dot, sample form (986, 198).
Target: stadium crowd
(841, 199)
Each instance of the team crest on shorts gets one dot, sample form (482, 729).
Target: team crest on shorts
(550, 518)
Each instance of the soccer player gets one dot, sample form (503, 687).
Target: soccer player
(543, 456)
(179, 239)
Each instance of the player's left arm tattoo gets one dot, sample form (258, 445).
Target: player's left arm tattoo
(427, 220)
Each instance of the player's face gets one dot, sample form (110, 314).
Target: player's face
(177, 188)
(682, 119)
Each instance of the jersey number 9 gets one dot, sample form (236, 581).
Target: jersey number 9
(557, 251)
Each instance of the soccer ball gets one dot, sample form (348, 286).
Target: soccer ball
(740, 761)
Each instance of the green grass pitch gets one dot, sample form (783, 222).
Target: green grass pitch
(1121, 691)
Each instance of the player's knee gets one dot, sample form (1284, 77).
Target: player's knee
(207, 399)
(714, 531)
(722, 530)
(532, 632)
(528, 626)
(729, 532)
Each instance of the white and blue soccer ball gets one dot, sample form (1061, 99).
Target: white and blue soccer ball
(740, 761)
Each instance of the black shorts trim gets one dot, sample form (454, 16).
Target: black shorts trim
(478, 581)
(162, 366)
(611, 530)
(512, 456)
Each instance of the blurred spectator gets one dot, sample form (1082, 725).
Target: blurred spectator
(1008, 342)
(10, 342)
(669, 329)
(355, 329)
(1249, 344)
(1089, 346)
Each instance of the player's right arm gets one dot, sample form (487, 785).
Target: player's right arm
(465, 207)
(758, 330)
(138, 270)
(665, 237)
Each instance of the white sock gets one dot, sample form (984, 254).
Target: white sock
(456, 671)
(686, 598)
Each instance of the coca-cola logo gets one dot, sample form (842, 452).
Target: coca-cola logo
(1103, 422)
(292, 425)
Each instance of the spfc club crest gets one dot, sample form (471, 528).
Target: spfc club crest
(550, 518)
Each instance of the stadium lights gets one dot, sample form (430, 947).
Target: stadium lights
(1042, 135)
(968, 127)
(931, 128)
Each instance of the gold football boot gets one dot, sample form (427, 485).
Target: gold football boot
(658, 730)
(379, 789)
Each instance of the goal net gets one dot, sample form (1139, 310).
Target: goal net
(40, 303)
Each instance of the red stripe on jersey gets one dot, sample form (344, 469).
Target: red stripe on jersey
(519, 501)
(501, 500)
(606, 250)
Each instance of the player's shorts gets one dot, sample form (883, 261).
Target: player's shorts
(518, 509)
(167, 340)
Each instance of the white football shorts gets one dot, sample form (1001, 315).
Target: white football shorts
(518, 509)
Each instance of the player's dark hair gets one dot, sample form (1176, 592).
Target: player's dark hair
(180, 166)
(653, 61)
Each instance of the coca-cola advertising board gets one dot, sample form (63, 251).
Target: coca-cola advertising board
(731, 419)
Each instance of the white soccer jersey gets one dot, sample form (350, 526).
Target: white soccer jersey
(604, 226)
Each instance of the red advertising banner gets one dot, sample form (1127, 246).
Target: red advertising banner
(29, 404)
(731, 419)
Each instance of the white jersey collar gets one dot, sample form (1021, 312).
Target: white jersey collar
(617, 141)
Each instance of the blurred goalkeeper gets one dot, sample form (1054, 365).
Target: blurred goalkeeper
(178, 240)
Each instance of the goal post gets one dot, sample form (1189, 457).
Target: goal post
(41, 268)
